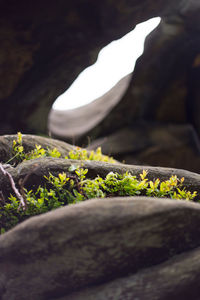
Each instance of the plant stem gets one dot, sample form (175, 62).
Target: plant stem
(17, 193)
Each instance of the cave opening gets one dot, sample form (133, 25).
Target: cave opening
(99, 87)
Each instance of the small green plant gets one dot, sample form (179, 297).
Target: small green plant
(74, 187)
(41, 152)
(78, 153)
(18, 149)
(83, 154)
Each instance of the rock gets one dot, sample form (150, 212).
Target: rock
(178, 278)
(162, 88)
(163, 92)
(35, 169)
(29, 142)
(99, 242)
(74, 123)
(35, 66)
(146, 143)
(44, 46)
(111, 248)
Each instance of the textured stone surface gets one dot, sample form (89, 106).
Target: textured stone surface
(98, 241)
(178, 278)
(155, 144)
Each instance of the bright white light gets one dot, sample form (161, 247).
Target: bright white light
(114, 62)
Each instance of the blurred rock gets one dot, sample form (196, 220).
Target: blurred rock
(74, 123)
(175, 146)
(164, 87)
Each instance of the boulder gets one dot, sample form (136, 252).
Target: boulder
(35, 169)
(155, 144)
(29, 142)
(177, 278)
(117, 248)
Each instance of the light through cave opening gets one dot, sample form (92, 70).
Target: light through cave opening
(114, 62)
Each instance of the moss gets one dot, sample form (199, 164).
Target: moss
(74, 187)
(78, 153)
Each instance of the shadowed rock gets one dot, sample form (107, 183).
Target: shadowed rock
(98, 241)
(164, 86)
(155, 144)
(178, 278)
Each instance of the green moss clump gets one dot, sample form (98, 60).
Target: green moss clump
(74, 187)
(66, 189)
(78, 153)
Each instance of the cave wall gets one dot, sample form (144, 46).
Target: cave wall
(164, 86)
(46, 44)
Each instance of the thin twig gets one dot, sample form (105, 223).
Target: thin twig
(17, 193)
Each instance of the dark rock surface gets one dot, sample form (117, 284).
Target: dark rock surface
(45, 45)
(164, 89)
(175, 279)
(119, 242)
(155, 144)
(164, 86)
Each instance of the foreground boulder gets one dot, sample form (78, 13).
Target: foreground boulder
(174, 279)
(131, 247)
